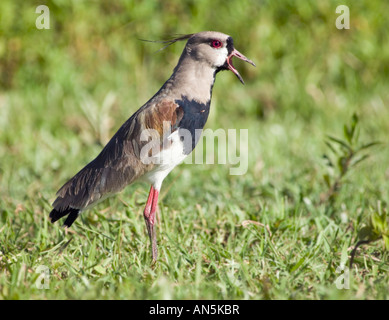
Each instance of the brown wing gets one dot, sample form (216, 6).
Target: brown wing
(119, 162)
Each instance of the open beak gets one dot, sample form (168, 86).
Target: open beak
(236, 53)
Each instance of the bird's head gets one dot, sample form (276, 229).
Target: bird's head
(216, 49)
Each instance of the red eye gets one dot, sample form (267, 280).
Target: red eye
(216, 44)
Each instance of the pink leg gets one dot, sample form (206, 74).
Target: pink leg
(149, 203)
(149, 215)
(154, 206)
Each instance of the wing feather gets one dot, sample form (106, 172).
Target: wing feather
(118, 164)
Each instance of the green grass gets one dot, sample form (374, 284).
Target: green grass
(65, 91)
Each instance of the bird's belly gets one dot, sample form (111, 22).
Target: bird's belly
(171, 154)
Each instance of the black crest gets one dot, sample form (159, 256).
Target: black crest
(170, 41)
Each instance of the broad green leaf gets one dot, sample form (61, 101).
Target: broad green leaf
(342, 165)
(359, 160)
(341, 143)
(368, 145)
(329, 145)
(354, 123)
(347, 134)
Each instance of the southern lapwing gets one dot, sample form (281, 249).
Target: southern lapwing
(158, 136)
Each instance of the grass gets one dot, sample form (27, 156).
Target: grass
(65, 91)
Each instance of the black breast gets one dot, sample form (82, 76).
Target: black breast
(194, 118)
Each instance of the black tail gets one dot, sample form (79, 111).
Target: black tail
(56, 215)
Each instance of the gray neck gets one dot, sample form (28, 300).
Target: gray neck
(191, 79)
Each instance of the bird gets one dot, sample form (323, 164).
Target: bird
(157, 137)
